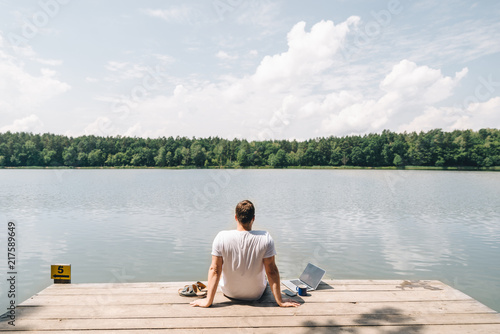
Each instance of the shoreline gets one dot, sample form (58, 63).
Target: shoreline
(461, 168)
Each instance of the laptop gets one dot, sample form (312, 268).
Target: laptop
(311, 277)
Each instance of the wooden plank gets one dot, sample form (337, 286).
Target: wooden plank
(175, 285)
(340, 296)
(161, 288)
(357, 306)
(137, 285)
(221, 310)
(91, 291)
(461, 329)
(371, 319)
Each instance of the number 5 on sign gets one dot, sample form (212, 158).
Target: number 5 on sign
(60, 272)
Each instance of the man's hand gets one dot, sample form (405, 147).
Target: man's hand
(214, 274)
(289, 303)
(201, 303)
(273, 276)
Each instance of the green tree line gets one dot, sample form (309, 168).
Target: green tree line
(465, 148)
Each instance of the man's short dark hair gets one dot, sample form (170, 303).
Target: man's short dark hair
(245, 212)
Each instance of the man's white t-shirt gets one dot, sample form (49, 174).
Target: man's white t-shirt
(243, 252)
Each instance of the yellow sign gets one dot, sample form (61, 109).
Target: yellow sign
(60, 271)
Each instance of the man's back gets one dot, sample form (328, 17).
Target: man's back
(243, 252)
(242, 258)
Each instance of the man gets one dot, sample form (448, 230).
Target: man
(241, 256)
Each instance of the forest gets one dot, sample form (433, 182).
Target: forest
(459, 148)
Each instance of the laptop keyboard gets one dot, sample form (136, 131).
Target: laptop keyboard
(296, 282)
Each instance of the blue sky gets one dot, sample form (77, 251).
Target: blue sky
(253, 69)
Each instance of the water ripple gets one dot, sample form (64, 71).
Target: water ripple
(158, 225)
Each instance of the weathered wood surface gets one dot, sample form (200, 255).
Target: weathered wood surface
(338, 306)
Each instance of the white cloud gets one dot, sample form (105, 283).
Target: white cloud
(102, 126)
(27, 124)
(49, 62)
(163, 59)
(425, 84)
(21, 90)
(139, 71)
(225, 56)
(134, 131)
(309, 53)
(432, 118)
(361, 116)
(115, 66)
(475, 116)
(26, 52)
(177, 14)
(179, 90)
(453, 40)
(480, 115)
(121, 71)
(255, 13)
(300, 93)
(265, 102)
(172, 14)
(406, 90)
(91, 80)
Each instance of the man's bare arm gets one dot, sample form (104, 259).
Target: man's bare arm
(214, 274)
(273, 275)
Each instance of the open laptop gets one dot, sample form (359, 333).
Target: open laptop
(311, 277)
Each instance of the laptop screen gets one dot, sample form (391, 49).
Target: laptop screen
(312, 275)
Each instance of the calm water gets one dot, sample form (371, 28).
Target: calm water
(158, 225)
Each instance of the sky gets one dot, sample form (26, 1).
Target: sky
(252, 69)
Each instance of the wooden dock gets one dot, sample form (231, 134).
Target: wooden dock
(338, 306)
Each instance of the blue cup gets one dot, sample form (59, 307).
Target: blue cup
(302, 290)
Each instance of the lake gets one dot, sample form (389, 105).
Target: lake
(158, 225)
